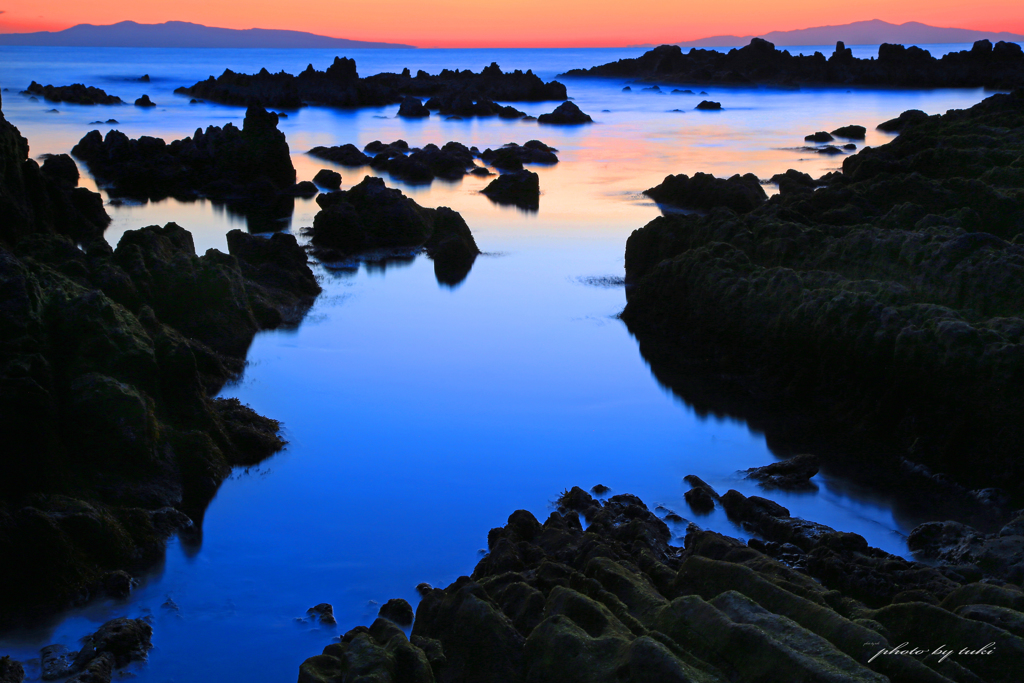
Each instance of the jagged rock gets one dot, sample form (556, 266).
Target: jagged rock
(760, 62)
(705, 191)
(566, 113)
(11, 671)
(519, 188)
(617, 603)
(144, 101)
(77, 94)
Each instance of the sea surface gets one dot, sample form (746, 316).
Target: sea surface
(420, 415)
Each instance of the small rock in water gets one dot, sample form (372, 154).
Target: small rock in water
(56, 661)
(424, 588)
(792, 473)
(144, 101)
(328, 179)
(325, 611)
(708, 105)
(600, 490)
(820, 136)
(627, 89)
(699, 500)
(398, 611)
(850, 132)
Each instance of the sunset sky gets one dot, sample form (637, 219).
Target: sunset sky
(519, 23)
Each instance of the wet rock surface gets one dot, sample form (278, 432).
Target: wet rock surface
(76, 94)
(998, 66)
(619, 602)
(339, 85)
(108, 361)
(885, 304)
(791, 473)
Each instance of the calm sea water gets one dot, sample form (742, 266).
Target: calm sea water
(418, 415)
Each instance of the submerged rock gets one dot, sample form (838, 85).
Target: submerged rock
(708, 105)
(324, 612)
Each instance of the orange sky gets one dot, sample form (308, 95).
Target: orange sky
(515, 23)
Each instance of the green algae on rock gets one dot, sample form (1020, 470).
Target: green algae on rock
(887, 302)
(618, 602)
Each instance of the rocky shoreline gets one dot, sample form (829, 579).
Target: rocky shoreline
(598, 592)
(760, 63)
(883, 303)
(108, 361)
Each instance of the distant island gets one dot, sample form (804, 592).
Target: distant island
(181, 34)
(873, 32)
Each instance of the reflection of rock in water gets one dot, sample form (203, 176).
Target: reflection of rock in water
(716, 382)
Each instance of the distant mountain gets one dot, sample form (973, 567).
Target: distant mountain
(180, 34)
(872, 32)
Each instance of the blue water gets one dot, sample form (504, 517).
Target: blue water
(418, 415)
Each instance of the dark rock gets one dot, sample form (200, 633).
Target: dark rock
(100, 669)
(56, 662)
(324, 612)
(344, 155)
(305, 188)
(761, 63)
(77, 94)
(705, 191)
(793, 181)
(144, 101)
(11, 671)
(700, 500)
(511, 157)
(850, 132)
(412, 108)
(820, 136)
(398, 611)
(566, 113)
(60, 167)
(519, 188)
(792, 473)
(708, 105)
(340, 86)
(599, 489)
(627, 89)
(903, 121)
(451, 247)
(328, 179)
(118, 584)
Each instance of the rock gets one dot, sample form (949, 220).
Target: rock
(705, 191)
(144, 101)
(708, 105)
(304, 188)
(324, 612)
(118, 584)
(412, 108)
(793, 181)
(77, 94)
(627, 89)
(900, 123)
(519, 188)
(511, 157)
(618, 603)
(328, 179)
(100, 669)
(792, 473)
(700, 501)
(850, 132)
(11, 671)
(56, 662)
(340, 86)
(599, 489)
(566, 113)
(820, 136)
(345, 155)
(398, 611)
(60, 167)
(451, 247)
(761, 63)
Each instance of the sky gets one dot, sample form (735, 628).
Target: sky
(515, 23)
